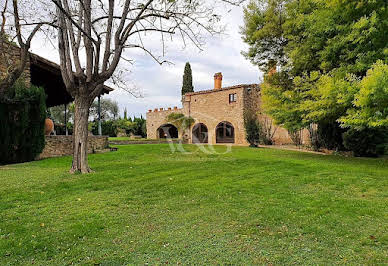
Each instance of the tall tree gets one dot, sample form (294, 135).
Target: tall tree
(109, 109)
(329, 45)
(187, 80)
(263, 31)
(125, 114)
(100, 31)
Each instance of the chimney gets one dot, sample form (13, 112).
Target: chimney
(218, 81)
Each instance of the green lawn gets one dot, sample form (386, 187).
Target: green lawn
(126, 139)
(145, 204)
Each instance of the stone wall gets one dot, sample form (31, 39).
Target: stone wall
(63, 145)
(252, 101)
(9, 57)
(212, 107)
(157, 118)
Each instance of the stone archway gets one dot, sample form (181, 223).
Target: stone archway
(224, 132)
(200, 133)
(167, 131)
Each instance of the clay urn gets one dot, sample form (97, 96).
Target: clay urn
(48, 126)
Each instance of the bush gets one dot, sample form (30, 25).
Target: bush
(22, 119)
(108, 128)
(330, 135)
(367, 142)
(267, 130)
(252, 129)
(61, 130)
(296, 136)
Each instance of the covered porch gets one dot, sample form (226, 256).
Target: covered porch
(47, 74)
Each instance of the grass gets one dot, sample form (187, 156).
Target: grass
(127, 138)
(124, 139)
(145, 204)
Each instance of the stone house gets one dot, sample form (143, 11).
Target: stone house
(218, 115)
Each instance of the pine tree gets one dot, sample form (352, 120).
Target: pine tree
(187, 80)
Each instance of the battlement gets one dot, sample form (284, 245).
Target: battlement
(161, 109)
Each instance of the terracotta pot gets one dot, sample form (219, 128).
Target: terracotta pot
(48, 126)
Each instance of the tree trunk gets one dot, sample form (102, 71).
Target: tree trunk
(80, 136)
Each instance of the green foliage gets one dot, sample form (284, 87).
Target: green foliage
(109, 109)
(327, 97)
(336, 68)
(370, 142)
(370, 106)
(330, 135)
(252, 129)
(329, 34)
(108, 128)
(263, 32)
(181, 121)
(22, 124)
(61, 130)
(57, 113)
(125, 125)
(140, 126)
(187, 80)
(280, 101)
(125, 114)
(135, 126)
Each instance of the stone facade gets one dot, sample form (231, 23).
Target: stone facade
(56, 146)
(212, 107)
(9, 56)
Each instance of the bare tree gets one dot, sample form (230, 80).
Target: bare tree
(14, 69)
(92, 36)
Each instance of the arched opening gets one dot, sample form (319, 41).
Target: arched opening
(200, 133)
(224, 133)
(168, 131)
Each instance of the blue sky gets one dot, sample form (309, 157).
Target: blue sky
(160, 85)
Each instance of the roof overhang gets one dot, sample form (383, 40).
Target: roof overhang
(47, 74)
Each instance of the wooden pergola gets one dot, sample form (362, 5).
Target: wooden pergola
(47, 74)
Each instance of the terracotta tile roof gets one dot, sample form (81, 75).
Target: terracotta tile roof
(223, 89)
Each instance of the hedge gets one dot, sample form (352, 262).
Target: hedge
(22, 119)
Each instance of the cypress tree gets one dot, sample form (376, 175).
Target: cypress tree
(125, 114)
(187, 80)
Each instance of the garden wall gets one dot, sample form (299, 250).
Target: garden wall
(63, 145)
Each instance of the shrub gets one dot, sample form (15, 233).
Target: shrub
(314, 138)
(22, 119)
(60, 129)
(267, 130)
(366, 142)
(252, 130)
(330, 135)
(296, 136)
(108, 128)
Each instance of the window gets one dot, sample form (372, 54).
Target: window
(232, 98)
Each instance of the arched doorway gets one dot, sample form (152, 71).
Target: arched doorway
(224, 133)
(200, 133)
(167, 131)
